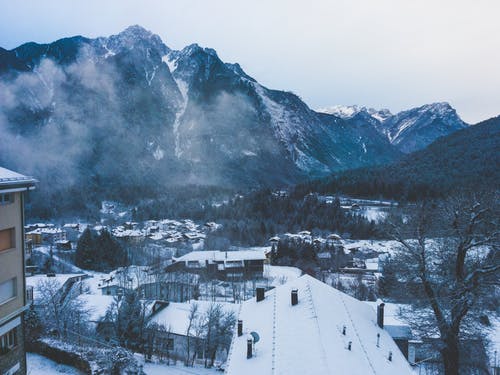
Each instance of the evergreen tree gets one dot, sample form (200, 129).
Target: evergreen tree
(85, 255)
(111, 253)
(130, 320)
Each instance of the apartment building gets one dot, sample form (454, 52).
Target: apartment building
(13, 298)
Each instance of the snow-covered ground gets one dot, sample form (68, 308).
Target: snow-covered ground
(69, 267)
(279, 275)
(39, 365)
(372, 213)
(161, 369)
(373, 245)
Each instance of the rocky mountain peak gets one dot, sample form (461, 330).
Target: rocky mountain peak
(134, 37)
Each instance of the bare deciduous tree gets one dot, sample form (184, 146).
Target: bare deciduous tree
(61, 312)
(449, 263)
(192, 321)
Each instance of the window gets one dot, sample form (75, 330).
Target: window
(8, 341)
(6, 199)
(166, 344)
(7, 239)
(170, 344)
(7, 290)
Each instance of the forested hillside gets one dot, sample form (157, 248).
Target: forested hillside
(469, 158)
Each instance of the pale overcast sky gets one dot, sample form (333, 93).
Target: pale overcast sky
(395, 54)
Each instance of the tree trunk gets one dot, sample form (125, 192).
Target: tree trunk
(450, 354)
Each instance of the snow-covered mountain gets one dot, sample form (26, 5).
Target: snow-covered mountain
(128, 115)
(140, 107)
(408, 130)
(348, 111)
(416, 128)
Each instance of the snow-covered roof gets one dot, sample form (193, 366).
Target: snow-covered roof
(393, 322)
(11, 178)
(46, 231)
(220, 256)
(307, 338)
(334, 236)
(126, 277)
(324, 255)
(175, 317)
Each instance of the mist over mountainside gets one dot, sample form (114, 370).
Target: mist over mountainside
(121, 117)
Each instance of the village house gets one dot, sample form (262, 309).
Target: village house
(123, 279)
(244, 264)
(151, 283)
(47, 235)
(176, 331)
(172, 287)
(72, 231)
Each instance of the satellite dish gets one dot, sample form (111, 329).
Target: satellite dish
(255, 336)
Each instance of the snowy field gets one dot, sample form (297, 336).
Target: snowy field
(39, 365)
(159, 369)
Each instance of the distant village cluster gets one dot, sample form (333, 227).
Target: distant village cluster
(168, 231)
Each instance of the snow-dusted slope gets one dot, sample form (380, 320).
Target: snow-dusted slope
(349, 111)
(416, 128)
(408, 130)
(307, 338)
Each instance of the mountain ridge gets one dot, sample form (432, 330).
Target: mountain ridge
(114, 114)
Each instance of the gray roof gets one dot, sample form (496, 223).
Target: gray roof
(11, 179)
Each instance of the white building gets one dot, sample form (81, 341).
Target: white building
(325, 332)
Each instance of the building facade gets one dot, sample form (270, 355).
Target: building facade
(231, 265)
(13, 298)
